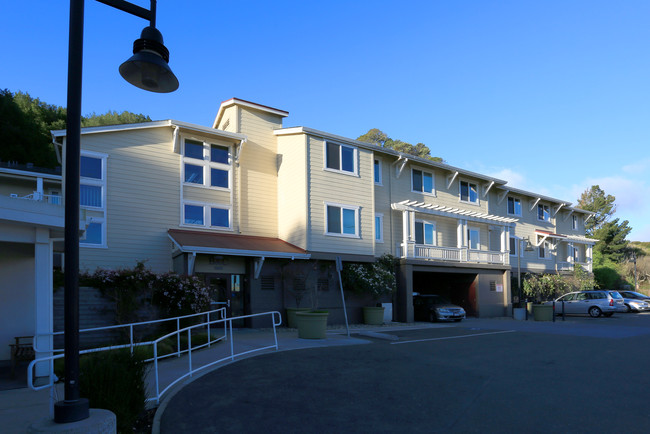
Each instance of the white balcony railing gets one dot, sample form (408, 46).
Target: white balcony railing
(454, 254)
(54, 199)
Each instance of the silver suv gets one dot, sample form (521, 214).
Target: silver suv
(595, 303)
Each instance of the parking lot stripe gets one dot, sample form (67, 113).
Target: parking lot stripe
(452, 337)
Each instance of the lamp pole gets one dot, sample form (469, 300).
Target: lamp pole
(157, 78)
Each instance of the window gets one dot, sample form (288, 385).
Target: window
(543, 213)
(545, 250)
(92, 196)
(574, 222)
(193, 215)
(340, 157)
(213, 216)
(377, 172)
(425, 233)
(379, 228)
(206, 164)
(219, 217)
(342, 220)
(468, 192)
(474, 238)
(422, 182)
(513, 246)
(514, 206)
(94, 233)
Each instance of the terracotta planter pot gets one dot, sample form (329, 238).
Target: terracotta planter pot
(373, 315)
(312, 325)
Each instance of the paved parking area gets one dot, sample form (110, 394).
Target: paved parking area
(580, 375)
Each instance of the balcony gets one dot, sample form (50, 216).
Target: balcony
(570, 266)
(454, 254)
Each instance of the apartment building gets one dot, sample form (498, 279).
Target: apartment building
(252, 205)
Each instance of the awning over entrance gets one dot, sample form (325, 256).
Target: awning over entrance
(260, 248)
(234, 245)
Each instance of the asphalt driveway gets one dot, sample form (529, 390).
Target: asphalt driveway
(497, 376)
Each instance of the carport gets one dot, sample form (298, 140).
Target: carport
(483, 291)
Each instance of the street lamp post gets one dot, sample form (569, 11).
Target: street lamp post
(148, 70)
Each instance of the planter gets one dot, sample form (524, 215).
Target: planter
(291, 315)
(543, 312)
(373, 315)
(529, 307)
(519, 313)
(312, 324)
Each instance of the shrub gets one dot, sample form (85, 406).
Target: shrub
(375, 279)
(114, 380)
(133, 288)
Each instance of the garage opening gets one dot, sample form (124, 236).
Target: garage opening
(459, 288)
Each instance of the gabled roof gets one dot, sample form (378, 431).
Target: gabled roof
(232, 101)
(234, 245)
(154, 124)
(388, 151)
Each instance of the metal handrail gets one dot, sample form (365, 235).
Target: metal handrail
(131, 344)
(227, 324)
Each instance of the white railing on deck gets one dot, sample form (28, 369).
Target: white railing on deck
(454, 254)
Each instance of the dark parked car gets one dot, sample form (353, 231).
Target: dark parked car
(431, 307)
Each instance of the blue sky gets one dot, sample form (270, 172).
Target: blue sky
(553, 96)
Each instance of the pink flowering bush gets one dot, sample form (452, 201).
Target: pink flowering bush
(134, 288)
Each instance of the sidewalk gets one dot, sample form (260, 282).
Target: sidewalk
(19, 408)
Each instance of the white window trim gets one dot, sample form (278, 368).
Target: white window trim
(355, 158)
(549, 213)
(354, 208)
(469, 239)
(433, 181)
(206, 165)
(379, 216)
(102, 184)
(517, 245)
(547, 251)
(515, 199)
(460, 196)
(206, 215)
(435, 231)
(575, 219)
(380, 171)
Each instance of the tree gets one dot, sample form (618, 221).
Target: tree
(113, 118)
(612, 244)
(379, 138)
(602, 205)
(25, 125)
(24, 129)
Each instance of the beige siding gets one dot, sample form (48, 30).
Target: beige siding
(382, 206)
(338, 188)
(259, 175)
(142, 200)
(229, 120)
(292, 189)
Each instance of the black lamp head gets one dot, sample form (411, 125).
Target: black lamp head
(148, 68)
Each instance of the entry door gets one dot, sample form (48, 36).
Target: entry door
(226, 291)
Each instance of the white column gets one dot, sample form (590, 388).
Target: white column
(405, 233)
(43, 297)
